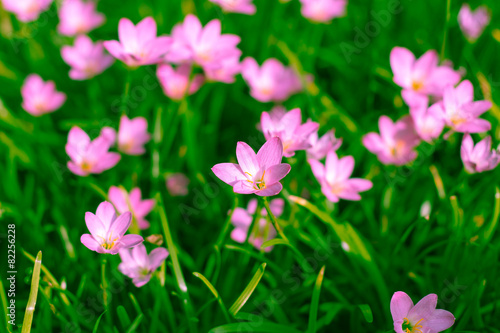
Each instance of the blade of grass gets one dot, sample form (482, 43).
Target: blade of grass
(215, 293)
(313, 311)
(3, 298)
(245, 295)
(253, 327)
(136, 323)
(488, 233)
(367, 312)
(96, 326)
(30, 307)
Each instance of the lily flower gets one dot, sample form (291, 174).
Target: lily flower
(138, 265)
(321, 146)
(176, 83)
(177, 184)
(26, 10)
(323, 10)
(133, 135)
(236, 6)
(78, 17)
(478, 158)
(428, 121)
(132, 202)
(473, 22)
(40, 97)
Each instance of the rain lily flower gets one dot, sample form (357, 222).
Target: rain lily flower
(472, 23)
(109, 134)
(396, 142)
(422, 76)
(78, 17)
(107, 231)
(225, 72)
(320, 147)
(335, 180)
(175, 82)
(460, 112)
(289, 128)
(428, 122)
(236, 6)
(177, 184)
(138, 265)
(138, 44)
(26, 10)
(270, 82)
(242, 219)
(421, 318)
(133, 135)
(256, 173)
(85, 58)
(478, 158)
(40, 97)
(323, 10)
(131, 202)
(89, 156)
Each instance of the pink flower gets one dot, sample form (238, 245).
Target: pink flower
(323, 10)
(85, 58)
(40, 97)
(26, 10)
(89, 156)
(137, 265)
(225, 72)
(424, 75)
(335, 180)
(133, 135)
(428, 122)
(320, 147)
(242, 219)
(138, 44)
(236, 6)
(107, 231)
(473, 23)
(256, 173)
(478, 158)
(125, 202)
(206, 46)
(423, 317)
(270, 82)
(396, 142)
(177, 184)
(78, 17)
(459, 110)
(175, 82)
(289, 128)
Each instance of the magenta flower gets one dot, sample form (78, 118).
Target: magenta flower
(133, 135)
(177, 184)
(89, 156)
(107, 231)
(459, 110)
(421, 318)
(423, 75)
(478, 158)
(242, 219)
(428, 122)
(132, 202)
(78, 17)
(85, 58)
(236, 6)
(320, 147)
(138, 44)
(323, 10)
(270, 82)
(40, 97)
(289, 128)
(138, 265)
(26, 10)
(472, 23)
(396, 142)
(175, 82)
(335, 180)
(256, 173)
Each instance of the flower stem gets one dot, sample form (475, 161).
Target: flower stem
(126, 93)
(104, 287)
(273, 219)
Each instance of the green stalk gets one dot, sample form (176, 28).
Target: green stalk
(273, 219)
(30, 307)
(445, 34)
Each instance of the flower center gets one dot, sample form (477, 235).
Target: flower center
(409, 328)
(86, 166)
(417, 85)
(109, 243)
(257, 184)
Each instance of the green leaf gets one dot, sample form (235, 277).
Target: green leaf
(245, 295)
(96, 326)
(367, 312)
(253, 327)
(136, 323)
(123, 316)
(30, 307)
(494, 221)
(313, 312)
(215, 293)
(273, 242)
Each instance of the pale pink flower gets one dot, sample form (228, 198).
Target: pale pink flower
(323, 10)
(472, 23)
(85, 58)
(89, 156)
(478, 158)
(78, 17)
(321, 146)
(225, 72)
(256, 173)
(138, 44)
(270, 82)
(424, 75)
(138, 265)
(335, 178)
(289, 128)
(133, 135)
(176, 83)
(428, 122)
(177, 184)
(26, 10)
(396, 142)
(132, 202)
(109, 134)
(40, 97)
(107, 231)
(242, 219)
(461, 112)
(237, 6)
(423, 317)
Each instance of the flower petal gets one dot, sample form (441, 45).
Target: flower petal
(423, 309)
(156, 257)
(270, 153)
(247, 159)
(120, 225)
(270, 190)
(229, 173)
(276, 172)
(128, 241)
(106, 213)
(89, 242)
(401, 304)
(439, 321)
